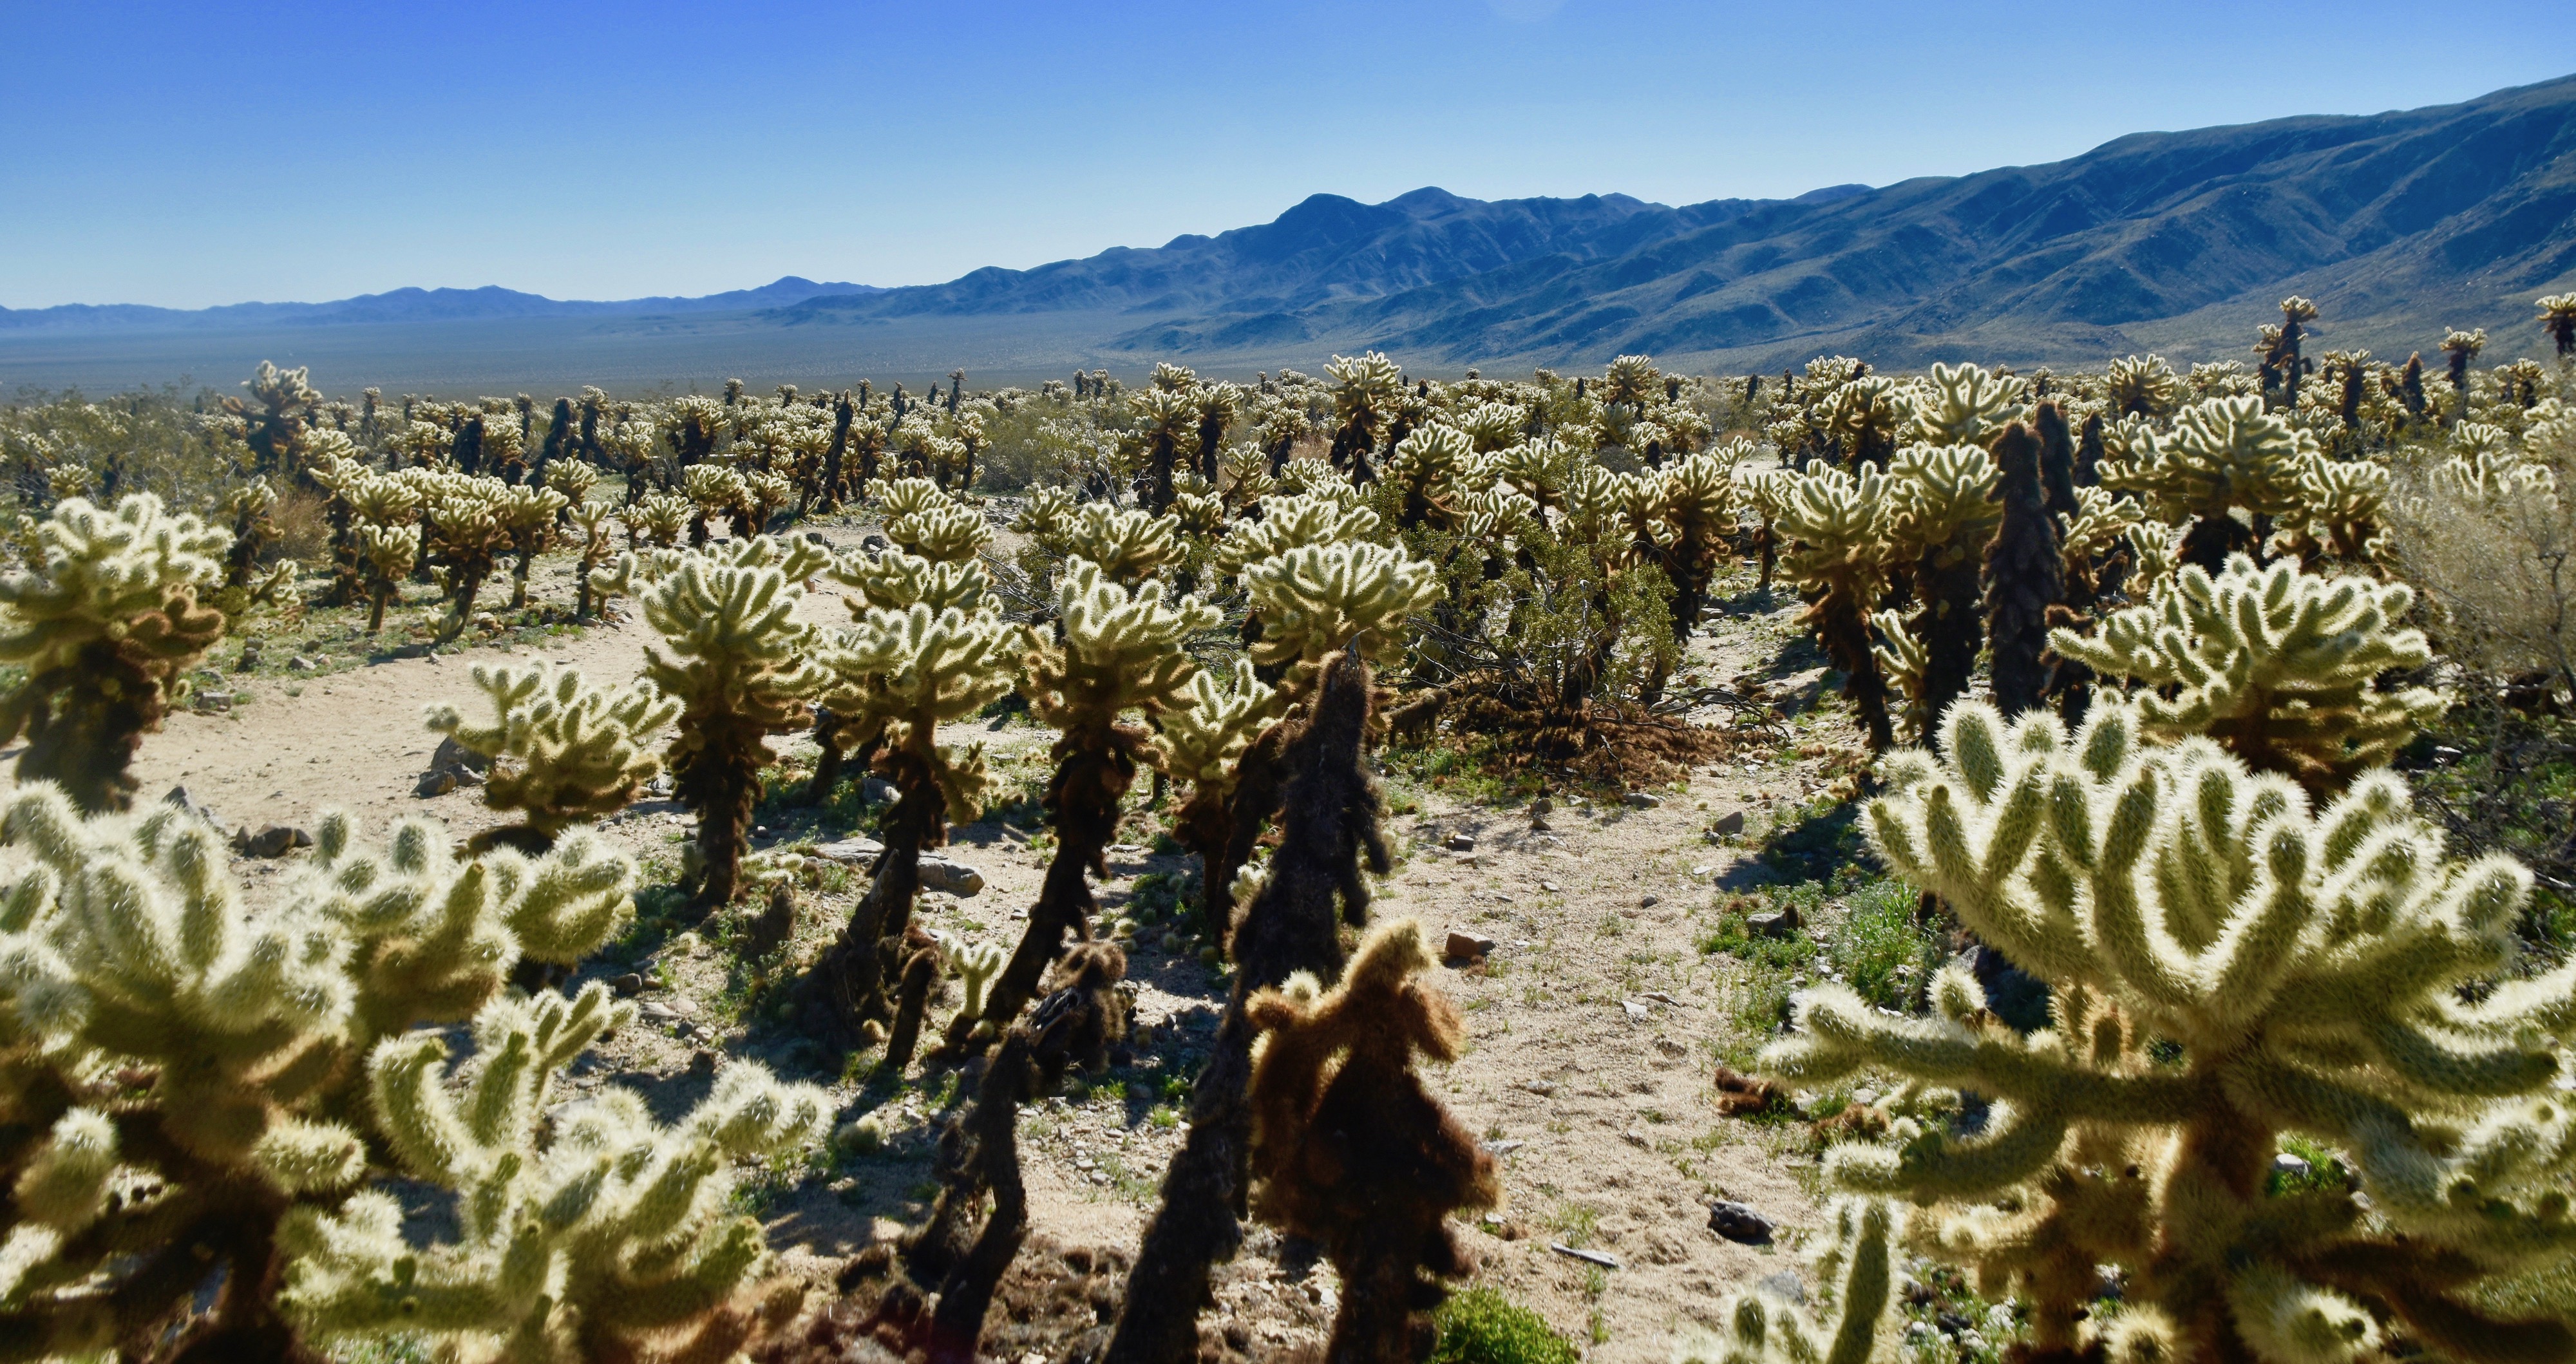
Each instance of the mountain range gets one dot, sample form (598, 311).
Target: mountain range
(2399, 225)
(420, 305)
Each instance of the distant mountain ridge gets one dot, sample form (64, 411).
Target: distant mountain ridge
(2396, 223)
(422, 305)
(2399, 225)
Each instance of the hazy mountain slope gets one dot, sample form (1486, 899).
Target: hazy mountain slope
(418, 305)
(2396, 223)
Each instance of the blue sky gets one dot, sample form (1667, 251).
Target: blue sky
(199, 153)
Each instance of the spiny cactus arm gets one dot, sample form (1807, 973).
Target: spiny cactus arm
(572, 902)
(1203, 740)
(750, 1113)
(1837, 1034)
(975, 964)
(946, 534)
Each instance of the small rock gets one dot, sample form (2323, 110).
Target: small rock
(1650, 902)
(1738, 1223)
(1702, 869)
(1729, 824)
(1542, 806)
(2446, 753)
(627, 985)
(211, 702)
(877, 791)
(1467, 945)
(1640, 800)
(857, 851)
(1587, 1256)
(1539, 825)
(658, 787)
(1771, 924)
(453, 754)
(1502, 1148)
(1637, 1013)
(273, 841)
(1461, 843)
(301, 664)
(659, 1012)
(1638, 1139)
(1784, 1285)
(1549, 886)
(438, 781)
(815, 537)
(950, 878)
(2288, 1166)
(1540, 1087)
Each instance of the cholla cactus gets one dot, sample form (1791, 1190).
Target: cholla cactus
(1203, 744)
(1322, 599)
(1244, 475)
(735, 657)
(2308, 961)
(528, 514)
(2342, 511)
(893, 580)
(1540, 468)
(387, 555)
(2224, 454)
(1939, 517)
(1856, 1262)
(1864, 418)
(1127, 546)
(1119, 653)
(2558, 318)
(2142, 388)
(106, 627)
(563, 751)
(2277, 665)
(1829, 519)
(224, 1045)
(1960, 405)
(2459, 348)
(608, 1238)
(1365, 391)
(1358, 1156)
(572, 478)
(1291, 521)
(246, 510)
(590, 527)
(1697, 510)
(2025, 570)
(1423, 473)
(656, 519)
(466, 539)
(715, 490)
(890, 681)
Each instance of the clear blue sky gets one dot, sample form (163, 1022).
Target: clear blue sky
(197, 153)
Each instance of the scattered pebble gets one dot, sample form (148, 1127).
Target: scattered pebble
(1641, 800)
(1738, 1223)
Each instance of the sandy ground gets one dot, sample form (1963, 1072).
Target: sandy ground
(1592, 1025)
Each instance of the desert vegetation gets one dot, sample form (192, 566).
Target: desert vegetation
(2142, 910)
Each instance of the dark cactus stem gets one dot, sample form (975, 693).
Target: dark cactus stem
(468, 450)
(1258, 776)
(1093, 773)
(2025, 574)
(1949, 626)
(912, 998)
(559, 434)
(720, 781)
(1211, 437)
(2212, 538)
(2088, 455)
(1330, 823)
(1841, 626)
(2056, 461)
(2351, 408)
(2410, 385)
(1158, 494)
(844, 414)
(846, 987)
(1073, 1026)
(591, 449)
